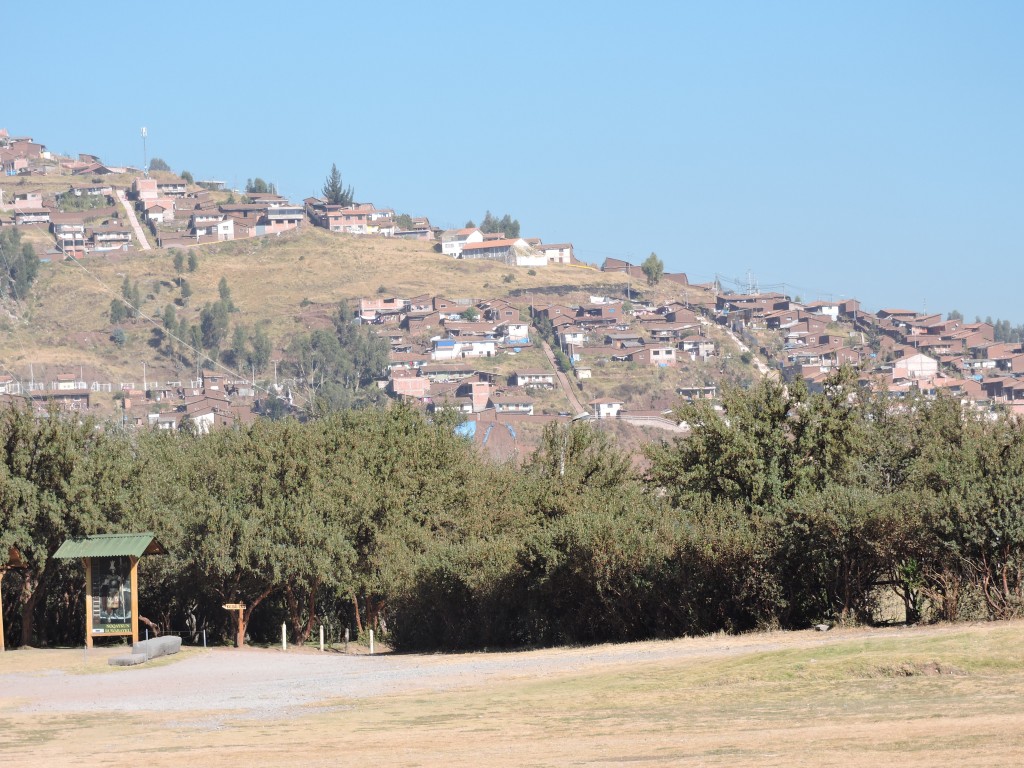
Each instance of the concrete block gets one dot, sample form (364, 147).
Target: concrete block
(158, 646)
(127, 661)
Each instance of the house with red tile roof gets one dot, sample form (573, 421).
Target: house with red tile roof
(453, 240)
(510, 251)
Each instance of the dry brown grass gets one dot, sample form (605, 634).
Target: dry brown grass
(845, 699)
(289, 284)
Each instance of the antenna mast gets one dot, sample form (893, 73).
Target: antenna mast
(145, 162)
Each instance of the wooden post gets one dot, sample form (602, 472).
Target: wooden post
(239, 608)
(135, 600)
(2, 572)
(88, 602)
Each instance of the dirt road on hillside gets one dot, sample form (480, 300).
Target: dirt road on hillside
(567, 386)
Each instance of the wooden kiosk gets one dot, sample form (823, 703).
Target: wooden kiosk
(111, 580)
(13, 561)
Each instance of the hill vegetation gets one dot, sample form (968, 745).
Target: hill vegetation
(281, 289)
(798, 509)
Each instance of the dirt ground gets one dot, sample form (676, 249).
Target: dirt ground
(928, 696)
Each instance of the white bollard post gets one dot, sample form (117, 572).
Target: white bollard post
(371, 642)
(321, 638)
(284, 637)
(204, 638)
(346, 639)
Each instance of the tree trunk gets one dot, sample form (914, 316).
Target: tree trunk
(310, 614)
(301, 627)
(249, 608)
(355, 605)
(32, 590)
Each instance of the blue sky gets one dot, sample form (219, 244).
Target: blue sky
(868, 149)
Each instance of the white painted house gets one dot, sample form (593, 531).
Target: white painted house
(556, 253)
(453, 240)
(917, 366)
(606, 407)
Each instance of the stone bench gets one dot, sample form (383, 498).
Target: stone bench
(127, 661)
(147, 649)
(158, 646)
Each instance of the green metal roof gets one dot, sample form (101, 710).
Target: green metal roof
(110, 545)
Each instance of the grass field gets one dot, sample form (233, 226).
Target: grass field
(921, 697)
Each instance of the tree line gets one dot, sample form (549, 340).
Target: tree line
(790, 509)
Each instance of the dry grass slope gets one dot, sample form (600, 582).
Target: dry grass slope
(287, 283)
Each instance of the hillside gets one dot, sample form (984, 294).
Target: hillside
(285, 284)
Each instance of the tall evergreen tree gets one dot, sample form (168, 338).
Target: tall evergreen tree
(334, 190)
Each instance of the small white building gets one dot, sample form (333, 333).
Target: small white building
(515, 333)
(533, 378)
(556, 253)
(698, 347)
(453, 240)
(510, 402)
(527, 257)
(918, 366)
(606, 407)
(478, 348)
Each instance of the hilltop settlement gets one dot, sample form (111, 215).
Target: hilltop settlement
(630, 354)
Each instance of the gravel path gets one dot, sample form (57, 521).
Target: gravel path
(268, 681)
(260, 680)
(139, 234)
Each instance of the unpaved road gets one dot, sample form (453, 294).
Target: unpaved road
(563, 381)
(133, 220)
(271, 681)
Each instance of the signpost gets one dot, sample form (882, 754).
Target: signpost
(240, 633)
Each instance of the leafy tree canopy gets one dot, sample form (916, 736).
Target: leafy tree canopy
(653, 268)
(259, 186)
(19, 264)
(492, 225)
